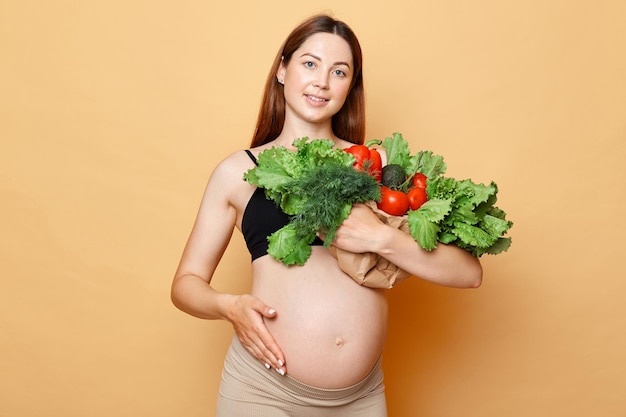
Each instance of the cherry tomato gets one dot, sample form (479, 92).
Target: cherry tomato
(417, 196)
(393, 202)
(419, 180)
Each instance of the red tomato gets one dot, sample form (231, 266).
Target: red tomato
(393, 202)
(417, 196)
(419, 180)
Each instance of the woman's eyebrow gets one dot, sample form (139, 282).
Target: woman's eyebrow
(319, 59)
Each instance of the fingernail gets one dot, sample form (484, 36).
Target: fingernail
(280, 371)
(271, 311)
(267, 365)
(280, 363)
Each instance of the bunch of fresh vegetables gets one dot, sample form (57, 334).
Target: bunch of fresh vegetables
(318, 184)
(441, 209)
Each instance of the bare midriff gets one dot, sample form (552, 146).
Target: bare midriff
(331, 329)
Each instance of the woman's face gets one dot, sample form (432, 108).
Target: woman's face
(317, 78)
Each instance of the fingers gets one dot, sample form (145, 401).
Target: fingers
(254, 335)
(361, 231)
(270, 348)
(268, 352)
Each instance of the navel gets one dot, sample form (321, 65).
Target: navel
(339, 342)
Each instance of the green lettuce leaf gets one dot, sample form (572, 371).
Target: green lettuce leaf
(459, 212)
(428, 164)
(424, 231)
(316, 185)
(397, 150)
(289, 246)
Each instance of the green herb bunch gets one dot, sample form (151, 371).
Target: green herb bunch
(316, 185)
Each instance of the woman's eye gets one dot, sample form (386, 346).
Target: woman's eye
(340, 73)
(309, 64)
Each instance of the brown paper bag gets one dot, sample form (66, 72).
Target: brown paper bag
(370, 269)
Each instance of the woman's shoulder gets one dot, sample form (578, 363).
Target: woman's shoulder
(343, 144)
(233, 166)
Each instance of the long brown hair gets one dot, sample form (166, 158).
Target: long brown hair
(349, 122)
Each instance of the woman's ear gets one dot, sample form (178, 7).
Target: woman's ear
(280, 74)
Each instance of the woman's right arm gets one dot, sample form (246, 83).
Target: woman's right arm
(205, 246)
(191, 291)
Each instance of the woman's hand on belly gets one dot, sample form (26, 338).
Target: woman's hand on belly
(331, 329)
(247, 314)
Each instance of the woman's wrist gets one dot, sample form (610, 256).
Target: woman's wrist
(225, 305)
(384, 239)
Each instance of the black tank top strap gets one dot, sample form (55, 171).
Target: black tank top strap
(252, 157)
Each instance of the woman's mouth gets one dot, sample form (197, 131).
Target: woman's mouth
(316, 99)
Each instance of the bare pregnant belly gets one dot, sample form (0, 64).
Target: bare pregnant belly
(331, 329)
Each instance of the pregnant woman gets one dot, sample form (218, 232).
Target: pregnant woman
(308, 339)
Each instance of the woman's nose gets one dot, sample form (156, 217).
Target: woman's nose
(321, 81)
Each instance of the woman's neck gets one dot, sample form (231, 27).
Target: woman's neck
(292, 132)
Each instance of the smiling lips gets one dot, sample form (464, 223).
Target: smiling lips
(316, 99)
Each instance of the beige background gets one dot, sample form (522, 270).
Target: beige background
(113, 114)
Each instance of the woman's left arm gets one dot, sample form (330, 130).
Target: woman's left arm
(446, 265)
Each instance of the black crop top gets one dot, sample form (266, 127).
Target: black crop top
(261, 218)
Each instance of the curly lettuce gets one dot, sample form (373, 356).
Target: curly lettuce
(316, 185)
(458, 212)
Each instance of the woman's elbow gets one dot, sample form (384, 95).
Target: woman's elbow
(475, 275)
(177, 293)
(467, 275)
(174, 297)
(476, 283)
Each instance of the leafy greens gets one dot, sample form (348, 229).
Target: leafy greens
(316, 186)
(458, 212)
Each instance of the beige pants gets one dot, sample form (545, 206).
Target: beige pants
(248, 389)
